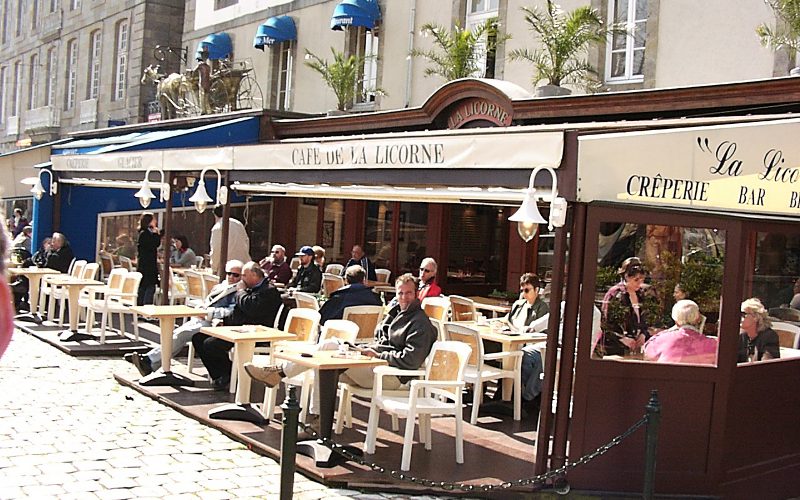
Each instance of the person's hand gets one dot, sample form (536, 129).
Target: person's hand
(628, 342)
(640, 340)
(369, 352)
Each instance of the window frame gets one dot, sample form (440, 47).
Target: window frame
(15, 102)
(33, 82)
(3, 92)
(20, 11)
(282, 70)
(52, 67)
(476, 18)
(71, 80)
(35, 15)
(362, 39)
(122, 40)
(95, 49)
(630, 50)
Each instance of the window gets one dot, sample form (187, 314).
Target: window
(399, 244)
(332, 239)
(53, 5)
(34, 14)
(221, 4)
(672, 263)
(625, 51)
(478, 13)
(3, 92)
(17, 89)
(33, 82)
(72, 74)
(365, 43)
(282, 75)
(20, 13)
(6, 9)
(75, 5)
(121, 70)
(475, 234)
(94, 65)
(52, 65)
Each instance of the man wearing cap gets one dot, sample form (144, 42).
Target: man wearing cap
(218, 305)
(309, 276)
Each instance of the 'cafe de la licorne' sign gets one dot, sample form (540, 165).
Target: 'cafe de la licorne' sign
(748, 167)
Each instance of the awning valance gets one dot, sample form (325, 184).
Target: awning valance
(219, 46)
(21, 164)
(277, 29)
(364, 13)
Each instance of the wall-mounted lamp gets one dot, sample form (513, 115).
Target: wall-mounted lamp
(145, 194)
(38, 188)
(528, 217)
(200, 197)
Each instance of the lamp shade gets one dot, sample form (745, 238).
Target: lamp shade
(38, 189)
(200, 197)
(528, 217)
(145, 194)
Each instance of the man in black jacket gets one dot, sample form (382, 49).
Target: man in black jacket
(257, 303)
(309, 276)
(355, 293)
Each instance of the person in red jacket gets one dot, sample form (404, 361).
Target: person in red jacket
(427, 279)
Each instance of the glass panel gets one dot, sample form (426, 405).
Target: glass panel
(306, 222)
(621, 11)
(639, 35)
(617, 64)
(638, 62)
(412, 238)
(641, 9)
(770, 321)
(476, 234)
(333, 232)
(643, 270)
(378, 233)
(618, 41)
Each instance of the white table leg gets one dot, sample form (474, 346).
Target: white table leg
(244, 354)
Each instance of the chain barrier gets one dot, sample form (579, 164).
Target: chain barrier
(448, 486)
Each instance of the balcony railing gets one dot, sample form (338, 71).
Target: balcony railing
(88, 111)
(12, 125)
(42, 118)
(51, 25)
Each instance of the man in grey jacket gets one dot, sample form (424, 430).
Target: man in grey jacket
(405, 339)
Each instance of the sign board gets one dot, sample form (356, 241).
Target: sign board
(751, 167)
(165, 159)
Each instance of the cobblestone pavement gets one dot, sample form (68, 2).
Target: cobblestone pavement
(69, 430)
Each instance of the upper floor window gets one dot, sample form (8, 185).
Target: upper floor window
(478, 12)
(53, 5)
(20, 13)
(50, 82)
(625, 51)
(34, 14)
(94, 66)
(121, 69)
(6, 9)
(221, 4)
(3, 92)
(283, 63)
(364, 44)
(72, 74)
(75, 4)
(17, 89)
(33, 82)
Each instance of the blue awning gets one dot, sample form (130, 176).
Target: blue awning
(277, 29)
(225, 133)
(219, 46)
(355, 13)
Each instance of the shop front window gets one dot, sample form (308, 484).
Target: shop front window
(477, 245)
(307, 210)
(400, 244)
(333, 231)
(378, 233)
(643, 270)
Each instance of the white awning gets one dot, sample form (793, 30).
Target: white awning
(17, 166)
(745, 167)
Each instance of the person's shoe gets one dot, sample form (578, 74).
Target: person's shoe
(221, 383)
(142, 363)
(270, 375)
(129, 357)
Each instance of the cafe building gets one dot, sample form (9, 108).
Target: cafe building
(680, 177)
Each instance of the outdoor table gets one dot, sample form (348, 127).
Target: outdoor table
(328, 365)
(244, 340)
(510, 342)
(34, 275)
(166, 316)
(74, 287)
(495, 306)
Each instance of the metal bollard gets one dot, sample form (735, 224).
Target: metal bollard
(291, 414)
(653, 410)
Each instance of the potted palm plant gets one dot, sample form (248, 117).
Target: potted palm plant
(342, 76)
(457, 52)
(565, 38)
(786, 32)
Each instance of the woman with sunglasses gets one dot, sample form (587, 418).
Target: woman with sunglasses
(624, 322)
(757, 340)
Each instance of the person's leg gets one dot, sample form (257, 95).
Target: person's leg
(145, 294)
(363, 377)
(180, 338)
(215, 357)
(531, 373)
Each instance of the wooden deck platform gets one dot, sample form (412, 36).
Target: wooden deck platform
(115, 344)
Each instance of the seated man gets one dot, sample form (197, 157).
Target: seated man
(276, 267)
(60, 255)
(358, 256)
(355, 293)
(219, 305)
(427, 279)
(256, 303)
(406, 338)
(309, 277)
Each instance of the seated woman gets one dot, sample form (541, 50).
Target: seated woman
(624, 322)
(683, 343)
(182, 255)
(757, 340)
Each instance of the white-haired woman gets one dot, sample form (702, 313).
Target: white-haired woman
(684, 343)
(757, 340)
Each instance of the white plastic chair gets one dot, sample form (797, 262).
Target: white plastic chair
(439, 393)
(178, 289)
(45, 288)
(306, 300)
(58, 292)
(383, 275)
(89, 273)
(334, 269)
(437, 308)
(118, 302)
(788, 334)
(367, 318)
(331, 283)
(195, 289)
(462, 309)
(478, 372)
(127, 263)
(113, 282)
